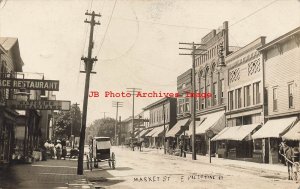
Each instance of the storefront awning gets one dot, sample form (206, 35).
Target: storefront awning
(156, 131)
(151, 133)
(293, 133)
(144, 132)
(274, 128)
(160, 130)
(214, 121)
(191, 126)
(238, 133)
(178, 128)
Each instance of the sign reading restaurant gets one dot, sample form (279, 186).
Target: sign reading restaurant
(33, 84)
(39, 104)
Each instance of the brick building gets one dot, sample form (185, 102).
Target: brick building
(210, 79)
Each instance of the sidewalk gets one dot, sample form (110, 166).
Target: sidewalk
(57, 174)
(277, 169)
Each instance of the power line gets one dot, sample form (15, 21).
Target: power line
(112, 12)
(251, 14)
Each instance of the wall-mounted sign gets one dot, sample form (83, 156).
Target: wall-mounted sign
(33, 84)
(39, 104)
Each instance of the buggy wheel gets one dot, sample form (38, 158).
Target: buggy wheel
(95, 163)
(113, 162)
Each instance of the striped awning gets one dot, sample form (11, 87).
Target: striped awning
(144, 132)
(275, 128)
(238, 133)
(178, 128)
(293, 133)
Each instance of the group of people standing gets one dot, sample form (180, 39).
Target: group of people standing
(56, 149)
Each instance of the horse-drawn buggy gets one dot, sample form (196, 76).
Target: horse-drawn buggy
(99, 151)
(291, 157)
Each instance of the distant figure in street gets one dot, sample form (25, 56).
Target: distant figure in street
(58, 148)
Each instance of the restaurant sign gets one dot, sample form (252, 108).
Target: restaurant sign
(39, 104)
(33, 84)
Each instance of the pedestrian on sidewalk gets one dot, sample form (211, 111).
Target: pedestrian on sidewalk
(58, 148)
(181, 147)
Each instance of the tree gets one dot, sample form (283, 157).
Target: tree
(65, 121)
(102, 127)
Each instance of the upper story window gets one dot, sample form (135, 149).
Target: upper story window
(247, 96)
(275, 99)
(187, 105)
(256, 93)
(291, 94)
(238, 98)
(230, 100)
(180, 105)
(214, 93)
(222, 87)
(202, 106)
(208, 99)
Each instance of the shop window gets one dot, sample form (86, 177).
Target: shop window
(275, 99)
(258, 144)
(291, 95)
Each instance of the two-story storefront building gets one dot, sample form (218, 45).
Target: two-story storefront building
(281, 59)
(244, 112)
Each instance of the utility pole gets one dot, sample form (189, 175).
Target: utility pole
(89, 61)
(117, 104)
(133, 92)
(193, 105)
(104, 114)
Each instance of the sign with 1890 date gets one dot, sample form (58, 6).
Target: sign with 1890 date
(39, 104)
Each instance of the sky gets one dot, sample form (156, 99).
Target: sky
(136, 43)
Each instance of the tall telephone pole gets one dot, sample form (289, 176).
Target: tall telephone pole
(133, 92)
(193, 105)
(117, 104)
(89, 61)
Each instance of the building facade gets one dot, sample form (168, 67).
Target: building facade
(10, 62)
(281, 59)
(244, 84)
(210, 79)
(162, 118)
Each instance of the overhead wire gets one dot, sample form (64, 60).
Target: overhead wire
(251, 14)
(105, 33)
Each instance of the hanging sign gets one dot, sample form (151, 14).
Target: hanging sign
(33, 84)
(39, 104)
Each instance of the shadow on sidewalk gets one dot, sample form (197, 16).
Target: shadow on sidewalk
(101, 177)
(7, 178)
